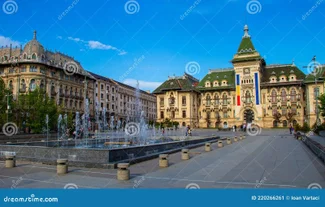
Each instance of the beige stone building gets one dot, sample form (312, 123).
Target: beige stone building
(25, 69)
(249, 92)
(119, 100)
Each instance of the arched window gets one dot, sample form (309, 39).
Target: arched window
(224, 99)
(11, 85)
(32, 85)
(293, 97)
(273, 96)
(283, 95)
(25, 56)
(208, 100)
(34, 56)
(171, 99)
(248, 98)
(217, 99)
(42, 85)
(23, 85)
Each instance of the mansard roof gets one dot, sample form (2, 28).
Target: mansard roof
(180, 83)
(282, 69)
(218, 75)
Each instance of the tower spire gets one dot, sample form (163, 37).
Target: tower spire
(246, 35)
(35, 37)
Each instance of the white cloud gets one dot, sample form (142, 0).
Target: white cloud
(59, 37)
(96, 45)
(144, 85)
(7, 41)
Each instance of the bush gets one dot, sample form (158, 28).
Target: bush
(297, 127)
(305, 127)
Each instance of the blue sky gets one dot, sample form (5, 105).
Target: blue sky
(155, 42)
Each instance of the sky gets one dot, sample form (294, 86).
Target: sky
(149, 40)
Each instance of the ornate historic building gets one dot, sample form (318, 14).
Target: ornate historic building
(249, 92)
(119, 100)
(24, 69)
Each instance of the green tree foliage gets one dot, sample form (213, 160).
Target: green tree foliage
(4, 95)
(31, 109)
(321, 106)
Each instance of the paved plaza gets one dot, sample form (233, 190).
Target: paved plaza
(272, 159)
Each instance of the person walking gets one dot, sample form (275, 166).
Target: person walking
(290, 128)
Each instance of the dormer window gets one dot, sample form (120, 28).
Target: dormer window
(207, 84)
(283, 78)
(292, 78)
(215, 84)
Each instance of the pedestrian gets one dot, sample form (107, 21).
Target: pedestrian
(290, 129)
(235, 128)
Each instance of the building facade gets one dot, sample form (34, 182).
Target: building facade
(25, 69)
(249, 92)
(69, 84)
(120, 100)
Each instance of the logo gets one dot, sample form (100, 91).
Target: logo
(132, 129)
(192, 68)
(10, 129)
(314, 186)
(10, 7)
(254, 130)
(132, 7)
(253, 7)
(70, 68)
(70, 186)
(192, 186)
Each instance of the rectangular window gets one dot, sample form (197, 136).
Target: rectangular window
(184, 114)
(173, 115)
(162, 115)
(183, 100)
(161, 102)
(294, 110)
(284, 110)
(23, 70)
(32, 68)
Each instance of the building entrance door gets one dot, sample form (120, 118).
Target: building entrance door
(249, 116)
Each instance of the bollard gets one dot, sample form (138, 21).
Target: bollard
(244, 137)
(208, 147)
(62, 166)
(10, 161)
(228, 141)
(123, 173)
(185, 154)
(240, 137)
(163, 161)
(235, 139)
(220, 143)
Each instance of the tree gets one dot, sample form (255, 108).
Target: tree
(5, 94)
(32, 109)
(321, 105)
(290, 116)
(277, 116)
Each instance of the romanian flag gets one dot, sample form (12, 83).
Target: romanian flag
(238, 89)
